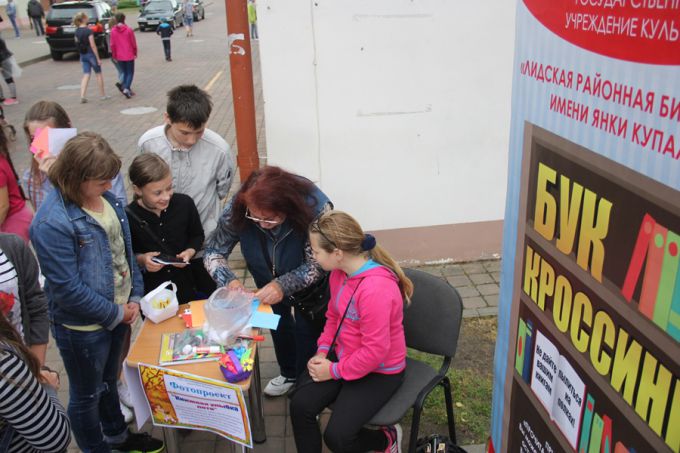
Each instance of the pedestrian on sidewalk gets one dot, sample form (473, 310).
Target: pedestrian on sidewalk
(124, 50)
(164, 30)
(36, 13)
(11, 9)
(269, 216)
(119, 69)
(189, 17)
(8, 66)
(89, 56)
(361, 355)
(80, 234)
(252, 20)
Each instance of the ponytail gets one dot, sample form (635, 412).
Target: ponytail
(381, 256)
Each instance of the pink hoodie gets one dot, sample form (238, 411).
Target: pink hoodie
(123, 43)
(371, 338)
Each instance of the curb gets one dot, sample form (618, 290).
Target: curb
(23, 64)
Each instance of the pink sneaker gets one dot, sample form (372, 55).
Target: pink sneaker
(10, 101)
(393, 434)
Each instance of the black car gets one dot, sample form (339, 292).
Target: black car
(157, 11)
(60, 31)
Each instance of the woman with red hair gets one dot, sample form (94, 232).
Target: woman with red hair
(269, 216)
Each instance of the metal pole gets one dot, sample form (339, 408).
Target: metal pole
(241, 66)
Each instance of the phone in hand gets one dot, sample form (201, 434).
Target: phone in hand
(164, 258)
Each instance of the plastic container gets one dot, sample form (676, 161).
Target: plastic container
(161, 303)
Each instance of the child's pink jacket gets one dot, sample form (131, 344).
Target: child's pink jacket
(371, 338)
(123, 43)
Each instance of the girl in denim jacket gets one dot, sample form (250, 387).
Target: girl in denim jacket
(93, 285)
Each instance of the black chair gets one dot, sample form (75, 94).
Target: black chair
(431, 324)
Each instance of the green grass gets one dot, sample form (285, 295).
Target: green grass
(128, 4)
(471, 403)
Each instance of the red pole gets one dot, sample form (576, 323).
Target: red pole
(242, 86)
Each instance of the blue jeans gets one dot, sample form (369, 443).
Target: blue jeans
(89, 63)
(294, 341)
(128, 68)
(92, 361)
(13, 19)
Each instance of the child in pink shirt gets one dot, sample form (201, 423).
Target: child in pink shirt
(15, 215)
(361, 353)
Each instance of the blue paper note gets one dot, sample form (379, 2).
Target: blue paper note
(263, 320)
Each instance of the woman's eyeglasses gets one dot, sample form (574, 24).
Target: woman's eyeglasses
(316, 228)
(258, 220)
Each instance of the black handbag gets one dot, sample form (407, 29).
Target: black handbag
(436, 443)
(312, 302)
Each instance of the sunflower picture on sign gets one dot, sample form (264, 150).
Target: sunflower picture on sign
(162, 410)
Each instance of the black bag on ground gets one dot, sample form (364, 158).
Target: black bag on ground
(312, 302)
(436, 443)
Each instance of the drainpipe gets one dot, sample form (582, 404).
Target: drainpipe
(241, 66)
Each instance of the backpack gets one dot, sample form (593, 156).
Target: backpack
(436, 443)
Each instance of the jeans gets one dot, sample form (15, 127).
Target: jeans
(166, 48)
(37, 24)
(92, 362)
(355, 403)
(128, 68)
(294, 341)
(13, 19)
(253, 31)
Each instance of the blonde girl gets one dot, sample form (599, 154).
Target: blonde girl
(89, 56)
(361, 353)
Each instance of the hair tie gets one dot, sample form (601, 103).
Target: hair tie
(368, 243)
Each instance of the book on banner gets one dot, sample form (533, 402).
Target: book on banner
(189, 346)
(559, 387)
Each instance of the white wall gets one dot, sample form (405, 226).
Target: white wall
(400, 109)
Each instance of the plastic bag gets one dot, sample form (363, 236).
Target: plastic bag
(161, 303)
(227, 315)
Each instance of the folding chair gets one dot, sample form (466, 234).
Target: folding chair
(431, 324)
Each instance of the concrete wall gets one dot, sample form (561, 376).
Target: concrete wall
(398, 108)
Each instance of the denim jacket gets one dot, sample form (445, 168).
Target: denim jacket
(75, 258)
(289, 251)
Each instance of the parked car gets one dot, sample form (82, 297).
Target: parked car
(199, 10)
(156, 11)
(60, 31)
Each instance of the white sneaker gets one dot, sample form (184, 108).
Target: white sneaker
(279, 386)
(124, 394)
(127, 413)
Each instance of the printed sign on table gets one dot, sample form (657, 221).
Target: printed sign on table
(183, 400)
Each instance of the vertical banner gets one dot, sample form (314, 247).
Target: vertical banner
(588, 351)
(183, 400)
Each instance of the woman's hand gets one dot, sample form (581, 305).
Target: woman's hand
(270, 294)
(236, 284)
(50, 377)
(319, 368)
(144, 260)
(185, 256)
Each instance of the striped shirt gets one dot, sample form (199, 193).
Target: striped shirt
(10, 305)
(39, 420)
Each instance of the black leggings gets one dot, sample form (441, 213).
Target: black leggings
(355, 403)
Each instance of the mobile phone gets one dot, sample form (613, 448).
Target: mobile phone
(164, 258)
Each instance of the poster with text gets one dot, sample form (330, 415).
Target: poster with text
(183, 400)
(588, 351)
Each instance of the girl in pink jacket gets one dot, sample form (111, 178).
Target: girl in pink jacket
(124, 51)
(361, 353)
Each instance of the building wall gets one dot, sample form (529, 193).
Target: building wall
(399, 109)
